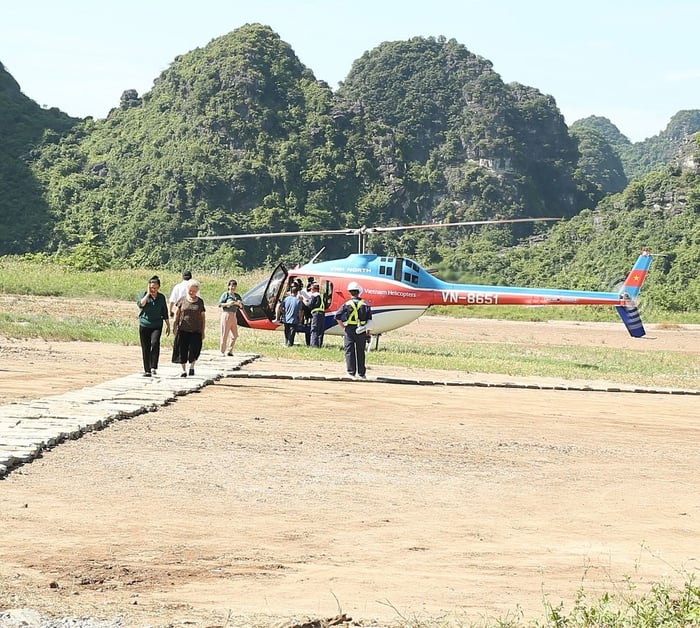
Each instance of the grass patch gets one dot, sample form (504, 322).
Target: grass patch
(632, 605)
(641, 368)
(18, 276)
(66, 328)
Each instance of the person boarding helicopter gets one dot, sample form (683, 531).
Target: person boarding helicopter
(318, 316)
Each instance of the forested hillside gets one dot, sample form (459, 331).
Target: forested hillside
(595, 249)
(24, 125)
(653, 153)
(239, 137)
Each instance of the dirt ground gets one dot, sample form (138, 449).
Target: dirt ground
(269, 501)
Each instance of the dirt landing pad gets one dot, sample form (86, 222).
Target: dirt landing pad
(260, 501)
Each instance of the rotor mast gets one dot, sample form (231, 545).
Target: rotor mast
(362, 234)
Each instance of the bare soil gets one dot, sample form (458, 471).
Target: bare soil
(271, 501)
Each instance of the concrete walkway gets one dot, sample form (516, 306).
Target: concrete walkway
(27, 428)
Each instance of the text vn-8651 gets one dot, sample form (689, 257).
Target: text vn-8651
(470, 298)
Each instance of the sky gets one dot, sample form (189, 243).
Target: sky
(635, 62)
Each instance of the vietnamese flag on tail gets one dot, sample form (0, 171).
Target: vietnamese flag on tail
(638, 274)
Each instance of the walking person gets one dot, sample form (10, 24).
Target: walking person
(229, 302)
(154, 310)
(354, 317)
(179, 290)
(291, 314)
(189, 328)
(318, 316)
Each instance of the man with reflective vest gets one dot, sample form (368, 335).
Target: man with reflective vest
(318, 316)
(354, 317)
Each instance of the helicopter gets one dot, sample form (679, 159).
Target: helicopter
(399, 290)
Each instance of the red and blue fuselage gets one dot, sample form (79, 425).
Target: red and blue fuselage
(399, 290)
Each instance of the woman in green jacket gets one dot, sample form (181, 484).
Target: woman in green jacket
(154, 310)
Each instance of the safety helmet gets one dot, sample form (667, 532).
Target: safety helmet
(353, 285)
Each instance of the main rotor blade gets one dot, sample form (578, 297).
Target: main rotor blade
(363, 231)
(278, 233)
(457, 224)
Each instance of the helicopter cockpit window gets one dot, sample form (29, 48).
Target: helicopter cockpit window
(386, 266)
(410, 274)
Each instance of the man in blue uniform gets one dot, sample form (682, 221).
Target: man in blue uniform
(354, 317)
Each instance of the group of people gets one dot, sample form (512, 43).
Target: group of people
(188, 311)
(306, 306)
(303, 306)
(300, 306)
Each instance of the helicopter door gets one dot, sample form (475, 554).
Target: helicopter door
(261, 301)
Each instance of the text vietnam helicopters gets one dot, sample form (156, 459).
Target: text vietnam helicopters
(399, 290)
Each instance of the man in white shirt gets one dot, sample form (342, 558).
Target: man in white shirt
(305, 296)
(179, 291)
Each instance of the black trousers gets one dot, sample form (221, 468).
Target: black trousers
(318, 328)
(150, 346)
(187, 347)
(290, 332)
(355, 346)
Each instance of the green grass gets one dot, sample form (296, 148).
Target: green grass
(66, 328)
(18, 276)
(616, 365)
(664, 604)
(650, 313)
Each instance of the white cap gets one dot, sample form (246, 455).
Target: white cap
(353, 285)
